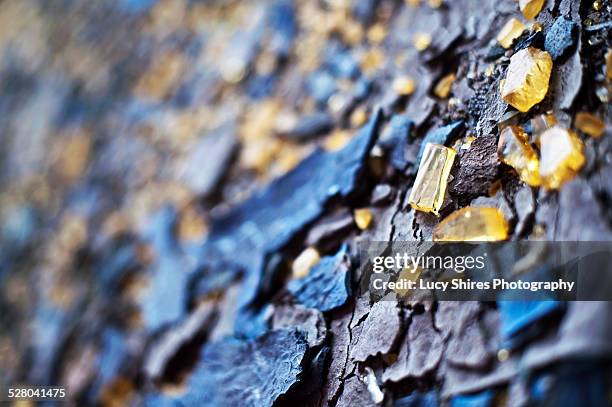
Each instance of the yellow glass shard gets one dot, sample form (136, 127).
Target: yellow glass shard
(472, 224)
(372, 60)
(404, 85)
(514, 150)
(304, 262)
(509, 32)
(589, 124)
(527, 79)
(363, 218)
(429, 187)
(337, 140)
(421, 41)
(609, 64)
(541, 123)
(443, 87)
(531, 8)
(377, 33)
(562, 156)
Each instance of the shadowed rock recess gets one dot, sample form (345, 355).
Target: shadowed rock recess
(184, 186)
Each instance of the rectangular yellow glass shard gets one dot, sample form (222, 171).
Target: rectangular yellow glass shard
(429, 187)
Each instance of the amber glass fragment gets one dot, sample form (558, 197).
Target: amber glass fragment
(472, 224)
(561, 156)
(526, 82)
(514, 150)
(590, 124)
(509, 32)
(429, 187)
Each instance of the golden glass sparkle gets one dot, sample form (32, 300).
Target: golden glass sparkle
(531, 8)
(561, 156)
(444, 85)
(514, 150)
(509, 32)
(526, 82)
(590, 124)
(304, 262)
(472, 224)
(429, 187)
(363, 218)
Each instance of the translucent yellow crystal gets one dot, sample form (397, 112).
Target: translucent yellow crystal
(526, 82)
(443, 87)
(561, 156)
(377, 33)
(372, 60)
(509, 32)
(404, 85)
(531, 8)
(514, 150)
(429, 187)
(609, 64)
(363, 218)
(472, 224)
(304, 262)
(541, 123)
(337, 140)
(589, 124)
(421, 41)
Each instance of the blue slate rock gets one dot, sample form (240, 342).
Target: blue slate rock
(441, 135)
(249, 234)
(418, 399)
(396, 139)
(321, 86)
(247, 373)
(518, 316)
(165, 300)
(483, 399)
(561, 37)
(327, 285)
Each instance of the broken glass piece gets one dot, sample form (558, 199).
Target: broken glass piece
(541, 123)
(404, 85)
(472, 224)
(561, 37)
(514, 150)
(327, 285)
(441, 135)
(429, 187)
(444, 85)
(510, 32)
(531, 8)
(589, 124)
(421, 41)
(363, 218)
(562, 156)
(526, 82)
(304, 262)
